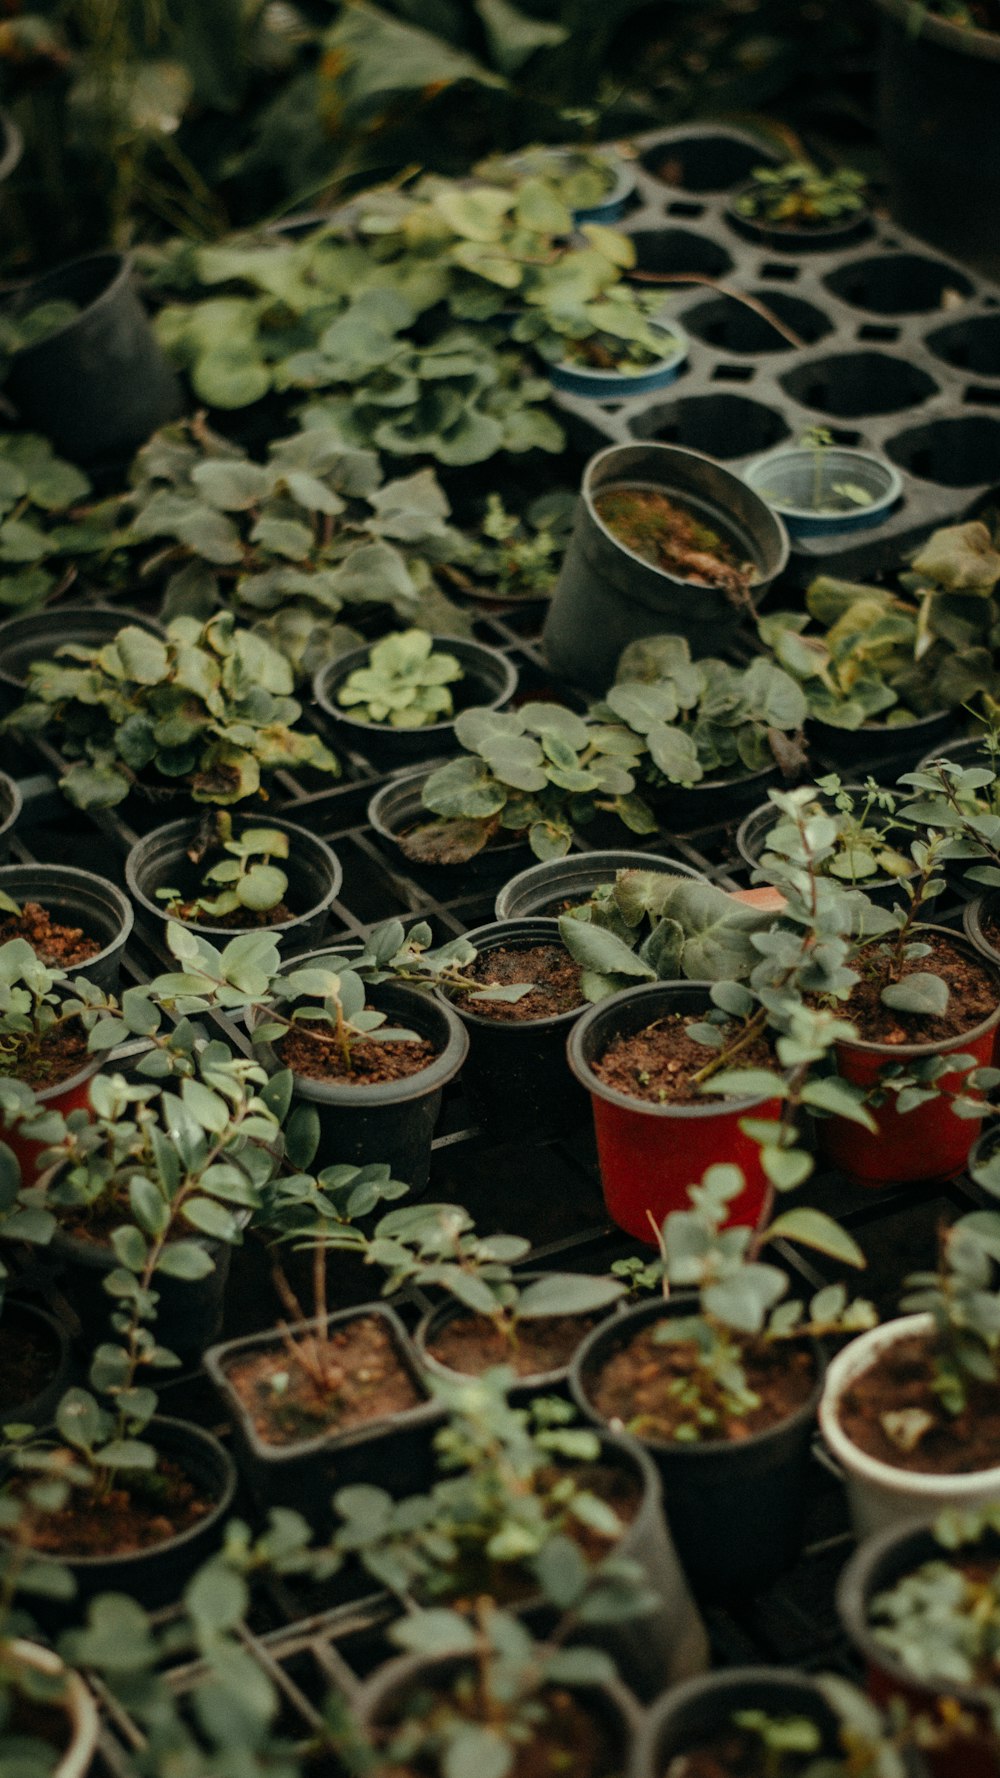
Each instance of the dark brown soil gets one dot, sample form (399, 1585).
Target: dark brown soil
(241, 919)
(658, 1063)
(972, 997)
(372, 1061)
(734, 1753)
(471, 1344)
(366, 1381)
(642, 1387)
(62, 1053)
(28, 1359)
(38, 1722)
(667, 534)
(550, 967)
(570, 1743)
(902, 1378)
(157, 1504)
(58, 947)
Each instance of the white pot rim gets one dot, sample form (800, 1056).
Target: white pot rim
(919, 1484)
(77, 1703)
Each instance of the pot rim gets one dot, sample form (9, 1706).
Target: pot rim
(880, 729)
(624, 170)
(630, 373)
(943, 1047)
(447, 1310)
(507, 937)
(122, 906)
(78, 1703)
(758, 1675)
(819, 514)
(327, 678)
(119, 272)
(704, 1449)
(644, 1107)
(852, 1361)
(599, 860)
(13, 145)
(298, 835)
(13, 789)
(670, 454)
(826, 233)
(431, 1078)
(409, 780)
(984, 44)
(215, 1360)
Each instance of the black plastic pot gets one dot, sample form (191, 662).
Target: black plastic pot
(607, 596)
(973, 914)
(392, 1121)
(826, 237)
(488, 681)
(10, 809)
(49, 1336)
(98, 386)
(75, 897)
(752, 841)
(550, 1382)
(395, 1453)
(516, 1076)
(711, 801)
(398, 806)
(156, 1575)
(692, 1714)
(160, 861)
(190, 1311)
(37, 635)
(880, 746)
(971, 1749)
(939, 91)
(734, 1507)
(543, 889)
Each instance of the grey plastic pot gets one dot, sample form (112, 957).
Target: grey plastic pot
(391, 1121)
(607, 596)
(74, 897)
(735, 1507)
(398, 806)
(10, 809)
(37, 635)
(98, 386)
(489, 680)
(45, 1333)
(160, 860)
(786, 479)
(550, 888)
(702, 1709)
(395, 1452)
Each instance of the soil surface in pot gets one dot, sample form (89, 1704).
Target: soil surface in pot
(972, 997)
(570, 1739)
(555, 976)
(365, 1380)
(157, 1504)
(243, 919)
(658, 1063)
(643, 1387)
(372, 1061)
(58, 947)
(471, 1344)
(62, 1053)
(28, 1359)
(668, 535)
(898, 1386)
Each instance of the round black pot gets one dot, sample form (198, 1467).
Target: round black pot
(37, 635)
(944, 175)
(692, 1714)
(392, 1121)
(50, 1336)
(827, 237)
(735, 1508)
(549, 889)
(515, 1075)
(190, 1310)
(550, 1382)
(398, 806)
(875, 1568)
(157, 1574)
(160, 861)
(98, 386)
(395, 1453)
(752, 841)
(10, 809)
(711, 801)
(75, 897)
(488, 681)
(607, 596)
(878, 746)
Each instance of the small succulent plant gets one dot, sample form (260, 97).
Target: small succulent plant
(405, 682)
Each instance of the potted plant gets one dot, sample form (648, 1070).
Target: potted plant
(73, 919)
(919, 1603)
(394, 701)
(623, 358)
(720, 1383)
(47, 1020)
(28, 637)
(908, 1408)
(664, 539)
(795, 207)
(557, 887)
(206, 710)
(52, 534)
(865, 855)
(50, 1720)
(596, 183)
(820, 487)
(230, 873)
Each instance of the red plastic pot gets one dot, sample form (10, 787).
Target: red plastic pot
(650, 1154)
(917, 1146)
(72, 1094)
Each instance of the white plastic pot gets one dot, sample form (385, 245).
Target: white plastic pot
(880, 1495)
(82, 1724)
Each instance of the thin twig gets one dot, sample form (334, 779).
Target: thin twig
(738, 296)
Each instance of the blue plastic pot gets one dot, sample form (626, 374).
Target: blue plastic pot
(605, 385)
(786, 479)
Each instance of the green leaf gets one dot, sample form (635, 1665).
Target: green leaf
(811, 1228)
(920, 993)
(597, 949)
(187, 1260)
(566, 1293)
